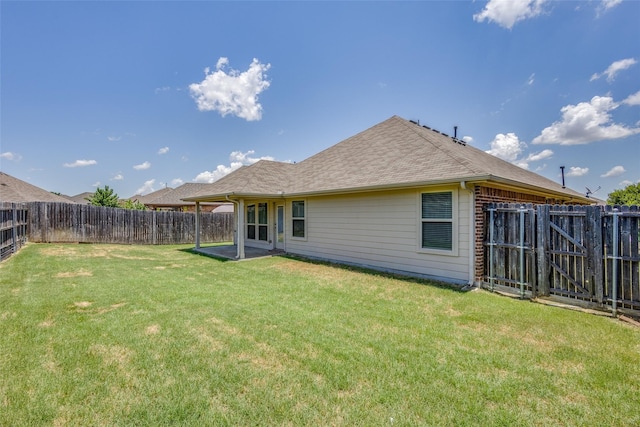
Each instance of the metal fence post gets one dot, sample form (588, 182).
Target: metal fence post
(614, 267)
(522, 211)
(491, 244)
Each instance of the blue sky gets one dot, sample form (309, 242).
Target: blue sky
(138, 95)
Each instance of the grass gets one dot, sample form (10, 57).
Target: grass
(109, 335)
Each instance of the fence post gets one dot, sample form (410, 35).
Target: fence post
(521, 248)
(15, 227)
(542, 213)
(154, 225)
(614, 267)
(491, 210)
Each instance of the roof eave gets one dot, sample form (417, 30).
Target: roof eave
(233, 195)
(477, 179)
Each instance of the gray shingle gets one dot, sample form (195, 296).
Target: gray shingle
(15, 190)
(392, 154)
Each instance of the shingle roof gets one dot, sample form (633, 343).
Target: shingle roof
(174, 196)
(147, 198)
(392, 154)
(81, 198)
(17, 191)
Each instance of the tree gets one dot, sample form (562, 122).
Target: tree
(133, 204)
(630, 195)
(104, 197)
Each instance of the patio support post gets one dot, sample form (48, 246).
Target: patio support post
(197, 225)
(240, 229)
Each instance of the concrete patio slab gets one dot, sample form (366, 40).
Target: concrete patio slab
(230, 252)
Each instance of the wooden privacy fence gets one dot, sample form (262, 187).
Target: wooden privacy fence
(70, 222)
(13, 228)
(583, 255)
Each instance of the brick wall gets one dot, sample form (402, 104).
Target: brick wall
(484, 195)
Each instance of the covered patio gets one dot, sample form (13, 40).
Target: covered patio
(230, 252)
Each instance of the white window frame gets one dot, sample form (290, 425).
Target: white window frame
(303, 218)
(257, 224)
(453, 220)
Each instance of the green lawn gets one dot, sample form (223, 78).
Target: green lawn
(107, 335)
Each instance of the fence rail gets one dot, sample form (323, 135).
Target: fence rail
(583, 255)
(42, 222)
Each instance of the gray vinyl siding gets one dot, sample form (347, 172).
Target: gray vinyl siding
(380, 230)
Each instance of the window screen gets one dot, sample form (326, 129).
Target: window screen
(437, 221)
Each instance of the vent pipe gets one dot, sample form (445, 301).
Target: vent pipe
(455, 132)
(562, 171)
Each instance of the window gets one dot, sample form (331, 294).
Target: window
(298, 218)
(251, 222)
(262, 222)
(260, 226)
(437, 214)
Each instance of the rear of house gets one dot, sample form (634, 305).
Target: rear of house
(397, 197)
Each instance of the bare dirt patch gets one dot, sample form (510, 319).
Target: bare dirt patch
(82, 304)
(152, 329)
(111, 308)
(46, 323)
(112, 354)
(79, 273)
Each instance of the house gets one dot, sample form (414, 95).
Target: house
(397, 197)
(14, 190)
(171, 199)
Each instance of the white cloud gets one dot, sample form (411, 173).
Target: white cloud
(80, 163)
(8, 155)
(633, 99)
(237, 159)
(176, 182)
(584, 123)
(96, 184)
(614, 69)
(146, 188)
(163, 150)
(508, 147)
(467, 139)
(234, 93)
(118, 177)
(544, 154)
(507, 12)
(114, 138)
(532, 78)
(142, 166)
(607, 4)
(614, 171)
(577, 171)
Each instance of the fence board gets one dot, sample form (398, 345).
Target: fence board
(579, 253)
(67, 222)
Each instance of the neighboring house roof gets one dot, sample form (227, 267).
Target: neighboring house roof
(172, 197)
(396, 153)
(17, 191)
(81, 198)
(225, 207)
(148, 198)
